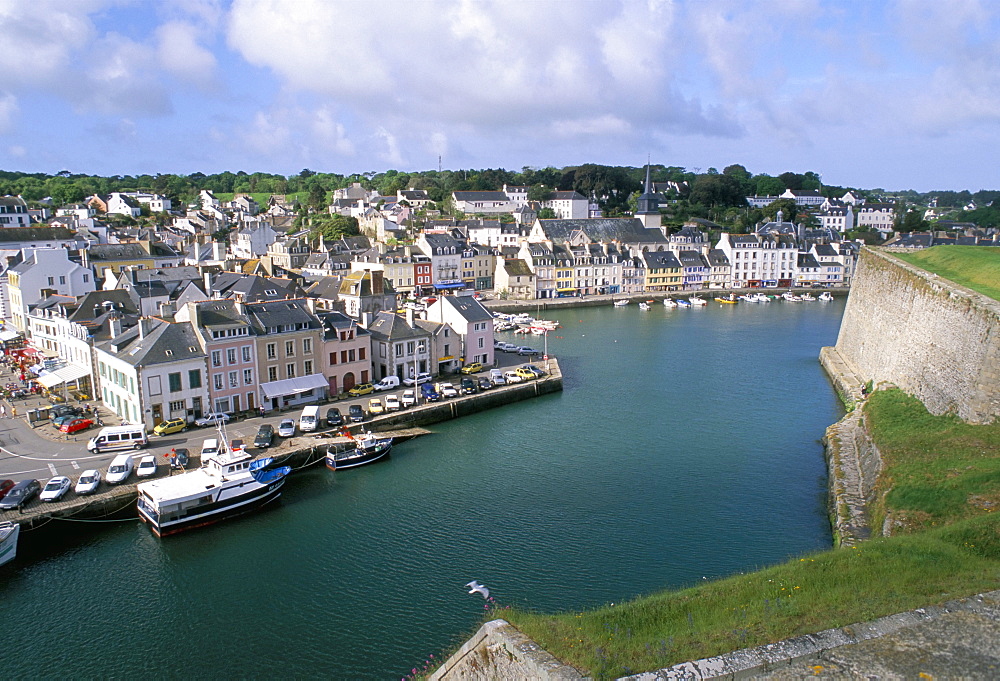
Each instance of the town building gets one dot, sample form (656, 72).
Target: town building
(347, 352)
(44, 272)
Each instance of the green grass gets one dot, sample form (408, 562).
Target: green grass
(261, 197)
(975, 267)
(944, 477)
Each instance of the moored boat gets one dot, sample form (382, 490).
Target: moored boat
(620, 303)
(683, 303)
(825, 297)
(669, 302)
(791, 297)
(697, 302)
(358, 452)
(730, 300)
(9, 532)
(643, 306)
(807, 297)
(230, 482)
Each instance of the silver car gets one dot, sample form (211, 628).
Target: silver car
(88, 482)
(55, 488)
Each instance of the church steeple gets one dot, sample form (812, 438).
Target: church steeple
(648, 204)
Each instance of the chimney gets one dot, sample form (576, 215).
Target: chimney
(167, 310)
(197, 251)
(409, 317)
(208, 284)
(311, 304)
(378, 287)
(366, 320)
(115, 325)
(240, 307)
(145, 326)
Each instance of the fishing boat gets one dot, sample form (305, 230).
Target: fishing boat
(643, 306)
(620, 303)
(9, 532)
(357, 452)
(807, 297)
(791, 297)
(825, 297)
(697, 302)
(669, 302)
(730, 300)
(683, 303)
(230, 482)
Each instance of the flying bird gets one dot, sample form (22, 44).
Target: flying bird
(477, 588)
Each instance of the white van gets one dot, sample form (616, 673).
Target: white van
(496, 377)
(118, 437)
(387, 383)
(209, 448)
(119, 470)
(309, 418)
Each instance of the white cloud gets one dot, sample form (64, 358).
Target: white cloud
(8, 110)
(180, 54)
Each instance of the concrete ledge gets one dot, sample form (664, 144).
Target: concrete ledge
(499, 651)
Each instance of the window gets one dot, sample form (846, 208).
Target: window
(272, 350)
(175, 382)
(234, 379)
(52, 281)
(86, 278)
(247, 376)
(350, 355)
(290, 370)
(231, 356)
(289, 348)
(217, 381)
(217, 358)
(333, 358)
(246, 353)
(480, 342)
(307, 346)
(194, 378)
(307, 367)
(361, 353)
(154, 385)
(62, 280)
(272, 373)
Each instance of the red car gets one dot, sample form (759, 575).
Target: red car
(75, 425)
(5, 486)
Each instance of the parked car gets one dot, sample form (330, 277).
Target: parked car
(88, 482)
(391, 403)
(59, 420)
(361, 389)
(334, 418)
(537, 371)
(5, 486)
(496, 377)
(525, 351)
(467, 386)
(428, 392)
(75, 425)
(20, 494)
(264, 436)
(422, 377)
(286, 428)
(212, 418)
(356, 413)
(473, 368)
(375, 407)
(64, 410)
(146, 468)
(170, 426)
(485, 383)
(408, 398)
(524, 373)
(447, 390)
(506, 347)
(512, 377)
(387, 383)
(55, 488)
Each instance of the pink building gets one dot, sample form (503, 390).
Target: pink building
(347, 352)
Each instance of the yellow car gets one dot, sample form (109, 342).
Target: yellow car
(361, 389)
(526, 374)
(170, 426)
(375, 406)
(473, 368)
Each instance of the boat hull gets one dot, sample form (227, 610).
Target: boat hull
(337, 461)
(209, 514)
(9, 532)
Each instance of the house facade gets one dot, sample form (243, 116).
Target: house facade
(288, 337)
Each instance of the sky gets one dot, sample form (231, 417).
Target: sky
(895, 94)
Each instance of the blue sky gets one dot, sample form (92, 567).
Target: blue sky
(898, 95)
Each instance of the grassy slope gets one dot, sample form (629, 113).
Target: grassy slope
(975, 267)
(262, 198)
(945, 476)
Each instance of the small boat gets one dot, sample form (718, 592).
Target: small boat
(807, 297)
(697, 302)
(357, 452)
(643, 306)
(791, 297)
(229, 483)
(620, 303)
(730, 300)
(825, 297)
(9, 532)
(669, 302)
(683, 303)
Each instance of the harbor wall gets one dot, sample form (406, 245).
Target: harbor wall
(934, 339)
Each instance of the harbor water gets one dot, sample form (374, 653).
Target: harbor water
(685, 445)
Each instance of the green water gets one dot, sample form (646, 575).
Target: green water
(685, 445)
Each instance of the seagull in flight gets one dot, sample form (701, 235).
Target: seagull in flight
(477, 588)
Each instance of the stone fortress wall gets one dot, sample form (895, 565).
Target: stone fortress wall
(933, 339)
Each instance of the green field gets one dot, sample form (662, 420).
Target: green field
(944, 477)
(262, 198)
(975, 267)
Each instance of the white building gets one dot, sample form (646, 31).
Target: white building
(14, 212)
(878, 216)
(759, 260)
(123, 204)
(41, 271)
(471, 323)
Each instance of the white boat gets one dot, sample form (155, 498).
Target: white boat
(697, 302)
(807, 297)
(620, 303)
(669, 302)
(683, 303)
(643, 306)
(791, 297)
(825, 297)
(9, 532)
(230, 482)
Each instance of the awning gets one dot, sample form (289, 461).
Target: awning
(293, 386)
(7, 335)
(457, 284)
(565, 290)
(62, 375)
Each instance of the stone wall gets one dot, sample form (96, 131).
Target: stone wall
(935, 340)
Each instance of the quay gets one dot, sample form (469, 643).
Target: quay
(300, 451)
